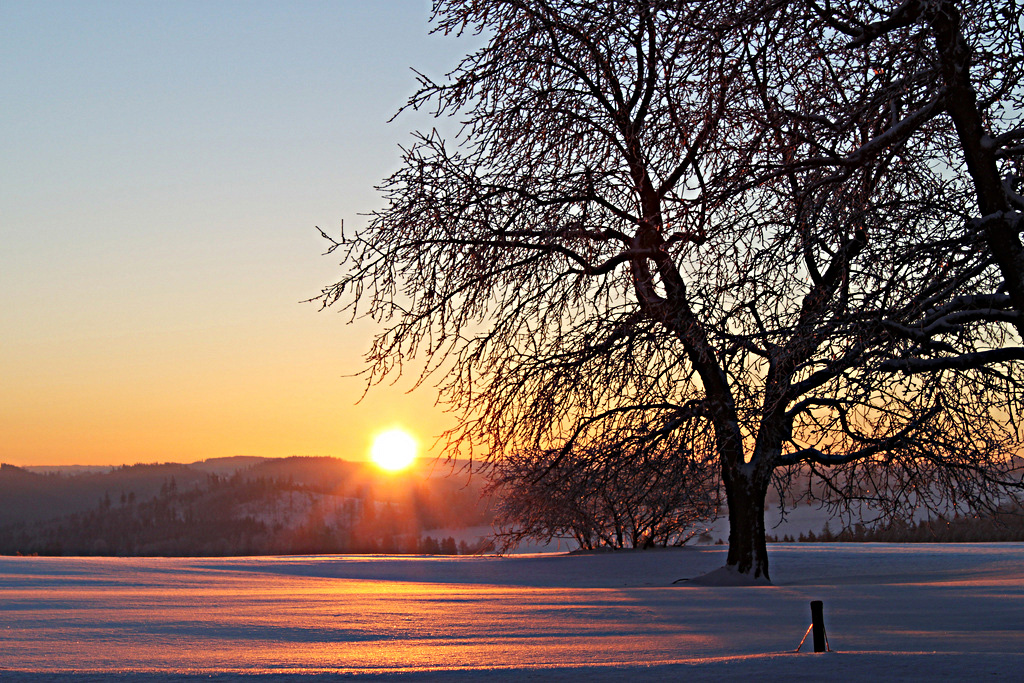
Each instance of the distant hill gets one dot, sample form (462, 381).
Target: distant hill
(28, 496)
(228, 465)
(224, 465)
(69, 469)
(234, 506)
(32, 494)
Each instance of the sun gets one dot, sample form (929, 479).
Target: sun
(393, 450)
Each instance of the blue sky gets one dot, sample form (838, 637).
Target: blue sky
(162, 168)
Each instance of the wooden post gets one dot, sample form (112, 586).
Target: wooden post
(818, 625)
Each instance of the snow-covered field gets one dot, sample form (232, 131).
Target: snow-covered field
(923, 612)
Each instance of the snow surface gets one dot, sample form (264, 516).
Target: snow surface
(893, 612)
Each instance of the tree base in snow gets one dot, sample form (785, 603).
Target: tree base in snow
(725, 576)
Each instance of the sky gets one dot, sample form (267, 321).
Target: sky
(162, 168)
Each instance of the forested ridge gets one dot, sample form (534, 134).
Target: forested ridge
(280, 506)
(1004, 526)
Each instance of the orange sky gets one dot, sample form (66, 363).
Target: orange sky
(145, 400)
(163, 168)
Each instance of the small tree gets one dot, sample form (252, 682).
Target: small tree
(603, 499)
(630, 241)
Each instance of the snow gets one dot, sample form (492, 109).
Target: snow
(907, 612)
(725, 576)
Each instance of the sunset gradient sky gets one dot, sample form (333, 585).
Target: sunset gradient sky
(162, 168)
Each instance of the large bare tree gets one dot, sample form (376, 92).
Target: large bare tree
(629, 242)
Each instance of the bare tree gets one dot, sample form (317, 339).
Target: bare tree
(656, 497)
(620, 247)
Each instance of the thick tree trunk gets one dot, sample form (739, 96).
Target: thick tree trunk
(748, 551)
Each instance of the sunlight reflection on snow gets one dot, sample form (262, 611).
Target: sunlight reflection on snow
(380, 614)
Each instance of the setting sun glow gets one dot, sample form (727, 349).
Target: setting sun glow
(393, 450)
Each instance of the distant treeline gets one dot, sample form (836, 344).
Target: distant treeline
(1006, 525)
(305, 506)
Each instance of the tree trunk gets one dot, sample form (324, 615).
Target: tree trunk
(748, 552)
